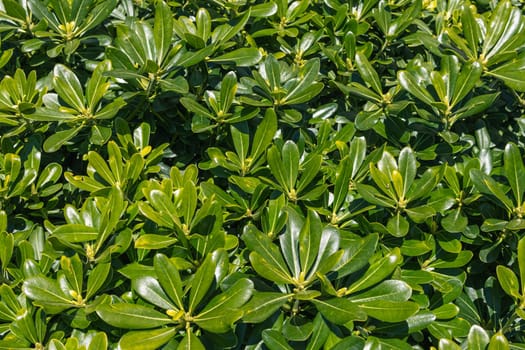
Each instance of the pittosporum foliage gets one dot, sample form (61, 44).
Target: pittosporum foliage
(262, 174)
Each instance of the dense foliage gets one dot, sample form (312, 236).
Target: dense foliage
(254, 174)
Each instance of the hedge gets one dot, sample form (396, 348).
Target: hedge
(249, 174)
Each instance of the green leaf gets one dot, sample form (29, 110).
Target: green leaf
(515, 171)
(201, 282)
(132, 316)
(146, 340)
(110, 110)
(356, 255)
(466, 81)
(243, 57)
(390, 311)
(319, 335)
(76, 233)
(96, 279)
(350, 343)
(190, 342)
(150, 290)
(269, 270)
(390, 290)
(377, 271)
(153, 241)
(297, 328)
(455, 221)
(192, 58)
(274, 340)
(478, 338)
(511, 73)
(505, 26)
(100, 13)
(97, 85)
(47, 293)
(169, 279)
(407, 168)
(368, 73)
(223, 310)
(412, 85)
(471, 28)
(7, 244)
(99, 135)
(398, 225)
(339, 310)
(488, 185)
(498, 342)
(306, 93)
(264, 134)
(241, 140)
(262, 305)
(72, 269)
(68, 87)
(267, 251)
(165, 213)
(228, 91)
(521, 263)
(372, 195)
(508, 281)
(54, 142)
(40, 11)
(309, 239)
(178, 84)
(426, 183)
(290, 154)
(203, 24)
(447, 344)
(289, 240)
(162, 30)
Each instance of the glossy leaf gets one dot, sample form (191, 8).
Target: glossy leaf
(339, 310)
(132, 316)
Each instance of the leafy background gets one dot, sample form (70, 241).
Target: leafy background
(262, 174)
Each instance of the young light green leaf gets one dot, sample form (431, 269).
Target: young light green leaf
(508, 281)
(498, 342)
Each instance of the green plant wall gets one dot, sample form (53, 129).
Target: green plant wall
(249, 174)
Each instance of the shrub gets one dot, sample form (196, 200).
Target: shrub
(262, 174)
